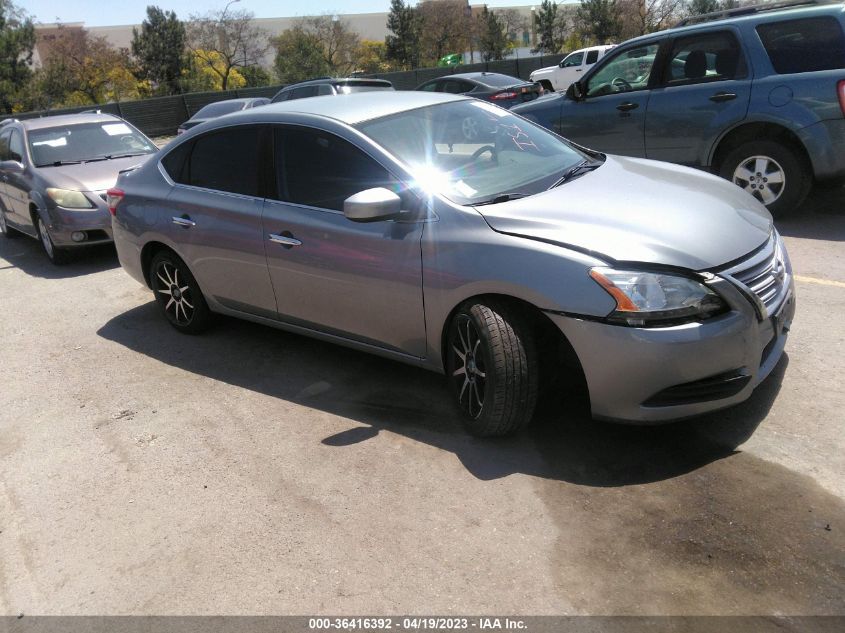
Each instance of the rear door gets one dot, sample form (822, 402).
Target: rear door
(611, 116)
(214, 217)
(704, 89)
(360, 281)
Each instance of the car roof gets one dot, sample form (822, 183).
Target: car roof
(479, 77)
(68, 119)
(350, 109)
(335, 80)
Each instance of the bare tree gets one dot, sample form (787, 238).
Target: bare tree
(446, 27)
(646, 16)
(226, 40)
(338, 42)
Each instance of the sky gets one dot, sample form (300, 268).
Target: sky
(120, 12)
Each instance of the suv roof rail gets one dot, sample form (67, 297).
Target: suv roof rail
(750, 10)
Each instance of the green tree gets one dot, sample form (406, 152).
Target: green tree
(403, 46)
(256, 76)
(492, 40)
(159, 49)
(600, 20)
(17, 40)
(298, 56)
(550, 25)
(700, 7)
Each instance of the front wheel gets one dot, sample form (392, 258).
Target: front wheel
(56, 255)
(770, 172)
(177, 293)
(492, 367)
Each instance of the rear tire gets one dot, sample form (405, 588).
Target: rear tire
(5, 229)
(771, 172)
(178, 294)
(492, 367)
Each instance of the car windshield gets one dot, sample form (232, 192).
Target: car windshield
(86, 141)
(219, 109)
(473, 152)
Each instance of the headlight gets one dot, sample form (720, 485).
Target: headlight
(69, 199)
(645, 299)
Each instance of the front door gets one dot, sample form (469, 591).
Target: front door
(361, 281)
(611, 116)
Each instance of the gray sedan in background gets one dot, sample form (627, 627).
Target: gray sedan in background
(54, 173)
(507, 261)
(219, 108)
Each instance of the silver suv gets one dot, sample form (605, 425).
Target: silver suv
(372, 221)
(54, 173)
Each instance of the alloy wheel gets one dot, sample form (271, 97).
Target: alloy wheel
(470, 375)
(45, 239)
(762, 177)
(4, 228)
(179, 307)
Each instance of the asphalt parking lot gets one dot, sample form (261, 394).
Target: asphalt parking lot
(253, 471)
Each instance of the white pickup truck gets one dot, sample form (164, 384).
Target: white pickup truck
(571, 69)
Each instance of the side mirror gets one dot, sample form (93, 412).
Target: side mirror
(372, 205)
(12, 165)
(575, 91)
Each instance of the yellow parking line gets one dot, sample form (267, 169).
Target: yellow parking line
(822, 282)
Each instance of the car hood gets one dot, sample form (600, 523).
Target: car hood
(95, 176)
(636, 210)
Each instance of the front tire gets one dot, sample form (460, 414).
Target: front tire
(178, 294)
(771, 172)
(56, 255)
(492, 367)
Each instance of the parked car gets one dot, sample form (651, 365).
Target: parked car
(54, 173)
(330, 86)
(452, 59)
(503, 90)
(371, 221)
(757, 97)
(571, 68)
(219, 108)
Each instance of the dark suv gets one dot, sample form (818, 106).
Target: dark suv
(330, 86)
(756, 95)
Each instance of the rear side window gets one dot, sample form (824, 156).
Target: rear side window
(175, 161)
(321, 170)
(302, 93)
(225, 161)
(592, 57)
(707, 57)
(803, 46)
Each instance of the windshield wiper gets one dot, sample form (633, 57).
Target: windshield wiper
(112, 156)
(59, 163)
(581, 168)
(502, 197)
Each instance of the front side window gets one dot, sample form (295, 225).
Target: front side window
(430, 87)
(226, 160)
(318, 169)
(472, 152)
(85, 142)
(573, 60)
(803, 46)
(625, 72)
(707, 57)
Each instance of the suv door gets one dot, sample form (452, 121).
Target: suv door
(611, 116)
(360, 281)
(705, 88)
(214, 216)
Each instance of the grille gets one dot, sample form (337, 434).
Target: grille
(764, 275)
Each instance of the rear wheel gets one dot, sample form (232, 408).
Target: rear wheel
(177, 293)
(770, 172)
(56, 255)
(492, 367)
(4, 227)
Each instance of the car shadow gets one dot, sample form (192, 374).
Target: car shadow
(563, 443)
(25, 253)
(821, 217)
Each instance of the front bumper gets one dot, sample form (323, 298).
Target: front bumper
(94, 223)
(653, 375)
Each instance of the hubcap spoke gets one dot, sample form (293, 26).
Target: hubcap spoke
(767, 195)
(761, 165)
(462, 356)
(185, 302)
(460, 371)
(744, 174)
(165, 291)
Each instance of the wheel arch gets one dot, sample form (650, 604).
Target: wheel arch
(554, 348)
(147, 253)
(759, 130)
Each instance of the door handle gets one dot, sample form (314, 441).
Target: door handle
(184, 221)
(578, 70)
(286, 239)
(627, 106)
(723, 96)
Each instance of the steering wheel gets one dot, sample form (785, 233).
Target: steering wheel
(486, 148)
(621, 84)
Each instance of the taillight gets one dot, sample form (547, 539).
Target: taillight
(113, 198)
(504, 95)
(840, 92)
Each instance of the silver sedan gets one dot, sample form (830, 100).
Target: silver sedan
(503, 261)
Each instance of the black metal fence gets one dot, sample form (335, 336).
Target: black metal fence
(160, 116)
